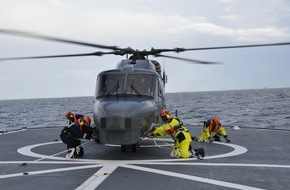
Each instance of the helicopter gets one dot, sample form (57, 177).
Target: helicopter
(129, 98)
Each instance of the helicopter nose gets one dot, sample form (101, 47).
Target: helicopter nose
(124, 114)
(123, 122)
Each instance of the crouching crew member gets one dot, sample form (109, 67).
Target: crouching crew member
(213, 125)
(73, 134)
(179, 133)
(72, 117)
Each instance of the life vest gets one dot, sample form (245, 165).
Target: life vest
(81, 124)
(175, 125)
(213, 124)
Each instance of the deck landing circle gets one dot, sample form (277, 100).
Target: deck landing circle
(27, 150)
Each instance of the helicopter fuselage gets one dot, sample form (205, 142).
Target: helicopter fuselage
(128, 101)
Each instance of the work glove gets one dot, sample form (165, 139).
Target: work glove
(150, 134)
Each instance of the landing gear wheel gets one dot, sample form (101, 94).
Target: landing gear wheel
(123, 148)
(134, 147)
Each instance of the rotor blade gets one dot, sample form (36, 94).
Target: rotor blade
(177, 50)
(49, 38)
(240, 46)
(186, 59)
(57, 56)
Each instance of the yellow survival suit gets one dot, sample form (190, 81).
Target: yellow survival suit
(179, 133)
(213, 125)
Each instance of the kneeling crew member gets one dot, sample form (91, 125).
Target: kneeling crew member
(73, 134)
(213, 125)
(179, 133)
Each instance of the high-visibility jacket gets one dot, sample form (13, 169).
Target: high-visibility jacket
(180, 135)
(173, 127)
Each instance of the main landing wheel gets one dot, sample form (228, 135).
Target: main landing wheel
(123, 148)
(132, 147)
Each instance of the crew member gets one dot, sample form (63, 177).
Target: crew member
(213, 125)
(72, 117)
(73, 134)
(179, 133)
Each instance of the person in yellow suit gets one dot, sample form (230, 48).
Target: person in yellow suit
(179, 133)
(213, 125)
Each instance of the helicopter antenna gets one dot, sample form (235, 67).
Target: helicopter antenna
(164, 76)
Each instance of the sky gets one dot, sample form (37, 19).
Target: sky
(142, 25)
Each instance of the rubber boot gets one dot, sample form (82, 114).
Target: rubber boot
(79, 151)
(217, 138)
(199, 153)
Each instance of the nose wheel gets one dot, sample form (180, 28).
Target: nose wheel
(132, 147)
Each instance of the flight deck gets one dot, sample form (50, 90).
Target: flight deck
(255, 159)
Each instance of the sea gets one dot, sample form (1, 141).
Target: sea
(258, 108)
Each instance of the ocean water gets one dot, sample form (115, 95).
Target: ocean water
(261, 108)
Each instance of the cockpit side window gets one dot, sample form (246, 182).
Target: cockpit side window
(109, 84)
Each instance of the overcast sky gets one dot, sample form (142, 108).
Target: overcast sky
(142, 25)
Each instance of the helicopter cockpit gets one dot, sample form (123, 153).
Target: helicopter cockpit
(122, 84)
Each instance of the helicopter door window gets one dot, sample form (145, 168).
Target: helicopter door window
(110, 84)
(140, 84)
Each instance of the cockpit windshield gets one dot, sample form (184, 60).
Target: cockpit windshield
(118, 84)
(140, 84)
